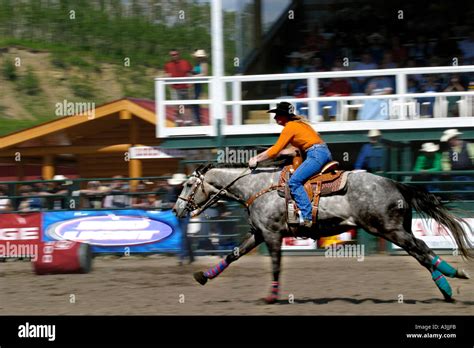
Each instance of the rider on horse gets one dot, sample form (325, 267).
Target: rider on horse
(300, 134)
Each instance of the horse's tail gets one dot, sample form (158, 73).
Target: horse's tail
(427, 204)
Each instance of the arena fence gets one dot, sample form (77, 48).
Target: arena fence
(219, 235)
(216, 240)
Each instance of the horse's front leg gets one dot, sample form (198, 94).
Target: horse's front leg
(252, 240)
(273, 241)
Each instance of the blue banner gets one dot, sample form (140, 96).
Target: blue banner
(116, 231)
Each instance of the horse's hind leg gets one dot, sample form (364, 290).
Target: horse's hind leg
(426, 257)
(252, 240)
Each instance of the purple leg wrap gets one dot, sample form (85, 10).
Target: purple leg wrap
(216, 270)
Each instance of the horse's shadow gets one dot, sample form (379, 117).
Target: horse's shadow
(327, 300)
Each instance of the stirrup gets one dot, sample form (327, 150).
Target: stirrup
(293, 217)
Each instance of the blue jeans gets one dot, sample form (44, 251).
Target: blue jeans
(316, 157)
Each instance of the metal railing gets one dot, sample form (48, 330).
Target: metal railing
(403, 111)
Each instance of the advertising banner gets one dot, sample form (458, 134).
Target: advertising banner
(20, 235)
(290, 243)
(435, 235)
(116, 231)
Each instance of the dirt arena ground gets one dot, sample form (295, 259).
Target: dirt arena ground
(156, 285)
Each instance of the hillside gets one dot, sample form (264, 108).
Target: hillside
(42, 80)
(56, 51)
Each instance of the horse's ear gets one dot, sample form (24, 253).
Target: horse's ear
(199, 168)
(203, 168)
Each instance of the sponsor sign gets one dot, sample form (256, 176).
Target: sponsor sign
(435, 235)
(19, 235)
(290, 243)
(116, 230)
(143, 152)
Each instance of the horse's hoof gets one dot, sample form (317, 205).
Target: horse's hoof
(270, 300)
(449, 299)
(200, 278)
(462, 274)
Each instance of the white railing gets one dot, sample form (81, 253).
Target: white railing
(402, 108)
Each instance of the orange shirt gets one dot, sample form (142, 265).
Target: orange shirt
(298, 134)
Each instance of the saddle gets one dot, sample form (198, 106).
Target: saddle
(328, 181)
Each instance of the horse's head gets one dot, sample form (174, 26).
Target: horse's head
(196, 192)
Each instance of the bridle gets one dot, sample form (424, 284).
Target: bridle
(196, 209)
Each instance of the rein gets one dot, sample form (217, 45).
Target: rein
(197, 210)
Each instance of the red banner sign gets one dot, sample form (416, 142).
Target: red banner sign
(20, 235)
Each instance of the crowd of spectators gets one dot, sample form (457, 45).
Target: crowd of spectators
(60, 194)
(451, 153)
(366, 39)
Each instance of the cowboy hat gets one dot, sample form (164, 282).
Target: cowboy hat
(429, 147)
(283, 108)
(177, 179)
(450, 133)
(374, 133)
(59, 177)
(200, 54)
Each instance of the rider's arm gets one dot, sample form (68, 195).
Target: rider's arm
(284, 139)
(289, 150)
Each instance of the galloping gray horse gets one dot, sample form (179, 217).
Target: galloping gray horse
(379, 205)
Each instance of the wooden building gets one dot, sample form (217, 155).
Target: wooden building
(85, 146)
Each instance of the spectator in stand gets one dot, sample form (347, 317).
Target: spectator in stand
(377, 109)
(94, 193)
(412, 86)
(372, 156)
(387, 61)
(152, 202)
(29, 203)
(294, 66)
(176, 186)
(5, 202)
(454, 85)
(429, 84)
(329, 53)
(420, 50)
(315, 65)
(376, 49)
(335, 88)
(115, 197)
(365, 64)
(57, 187)
(467, 48)
(178, 67)
(428, 161)
(200, 69)
(459, 155)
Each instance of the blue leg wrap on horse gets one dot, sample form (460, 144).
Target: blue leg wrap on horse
(216, 270)
(442, 283)
(444, 267)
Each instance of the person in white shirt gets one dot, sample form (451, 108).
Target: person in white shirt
(5, 202)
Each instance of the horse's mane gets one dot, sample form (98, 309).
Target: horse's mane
(278, 163)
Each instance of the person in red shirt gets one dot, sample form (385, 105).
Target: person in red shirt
(178, 67)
